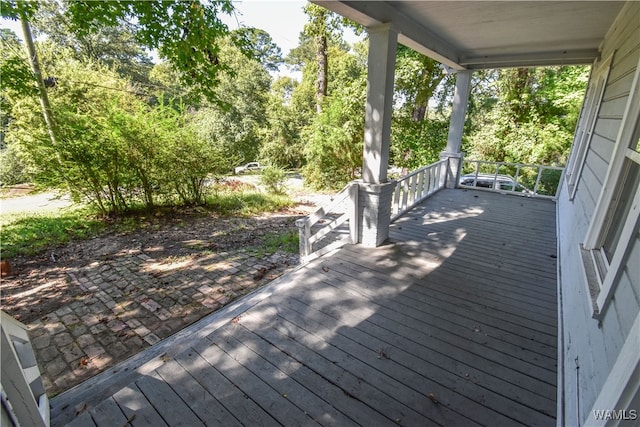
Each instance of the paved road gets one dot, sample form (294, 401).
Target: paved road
(34, 203)
(51, 200)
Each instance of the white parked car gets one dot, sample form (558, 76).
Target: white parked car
(249, 167)
(488, 180)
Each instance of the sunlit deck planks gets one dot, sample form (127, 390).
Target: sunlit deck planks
(452, 323)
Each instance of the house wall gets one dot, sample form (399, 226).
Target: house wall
(590, 348)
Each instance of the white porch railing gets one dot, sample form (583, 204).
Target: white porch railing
(24, 401)
(348, 196)
(413, 188)
(523, 179)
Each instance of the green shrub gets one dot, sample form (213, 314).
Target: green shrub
(12, 168)
(334, 141)
(113, 149)
(417, 143)
(274, 178)
(232, 197)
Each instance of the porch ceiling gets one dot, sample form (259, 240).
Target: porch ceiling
(492, 34)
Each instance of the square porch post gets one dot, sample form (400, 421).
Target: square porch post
(456, 128)
(376, 191)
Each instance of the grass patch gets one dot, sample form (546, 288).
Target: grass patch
(287, 242)
(29, 233)
(247, 203)
(273, 242)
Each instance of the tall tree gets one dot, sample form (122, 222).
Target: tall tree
(417, 77)
(527, 115)
(334, 139)
(260, 46)
(234, 129)
(114, 46)
(320, 26)
(185, 32)
(281, 142)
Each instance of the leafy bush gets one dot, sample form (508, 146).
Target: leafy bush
(112, 148)
(417, 143)
(12, 168)
(335, 141)
(274, 178)
(230, 198)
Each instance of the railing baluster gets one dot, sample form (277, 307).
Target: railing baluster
(353, 218)
(405, 194)
(496, 180)
(307, 240)
(416, 186)
(535, 188)
(396, 198)
(413, 188)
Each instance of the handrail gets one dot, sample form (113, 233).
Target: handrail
(416, 186)
(504, 182)
(307, 240)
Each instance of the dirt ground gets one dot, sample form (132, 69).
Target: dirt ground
(177, 237)
(39, 284)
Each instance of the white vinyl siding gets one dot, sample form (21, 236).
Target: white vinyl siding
(586, 128)
(591, 349)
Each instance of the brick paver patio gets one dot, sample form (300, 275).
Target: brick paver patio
(133, 301)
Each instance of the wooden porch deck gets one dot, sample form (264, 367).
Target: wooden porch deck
(451, 323)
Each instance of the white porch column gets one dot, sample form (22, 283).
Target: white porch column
(383, 43)
(375, 191)
(456, 127)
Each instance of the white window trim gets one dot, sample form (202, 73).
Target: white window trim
(599, 222)
(584, 132)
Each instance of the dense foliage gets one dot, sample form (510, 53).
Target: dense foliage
(113, 149)
(132, 132)
(533, 117)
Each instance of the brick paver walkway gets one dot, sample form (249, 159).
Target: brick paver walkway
(132, 301)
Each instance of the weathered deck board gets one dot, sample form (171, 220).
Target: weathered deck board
(288, 387)
(355, 410)
(201, 402)
(169, 405)
(451, 323)
(242, 407)
(440, 339)
(108, 413)
(84, 420)
(443, 332)
(137, 409)
(402, 359)
(354, 390)
(546, 323)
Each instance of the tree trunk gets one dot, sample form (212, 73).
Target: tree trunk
(323, 65)
(419, 113)
(32, 56)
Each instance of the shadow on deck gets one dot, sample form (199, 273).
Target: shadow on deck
(453, 322)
